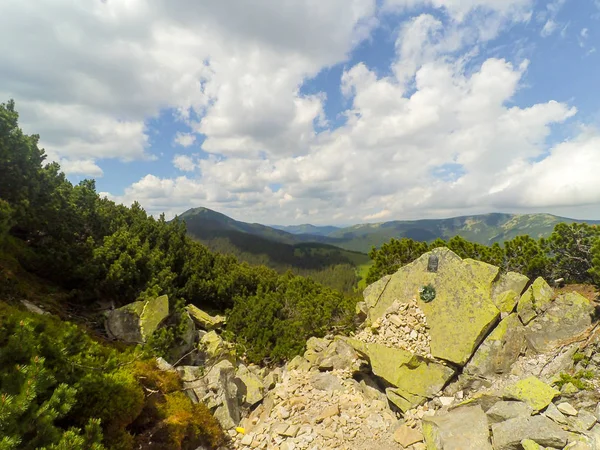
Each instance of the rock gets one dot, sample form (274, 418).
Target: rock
(500, 349)
(566, 409)
(569, 389)
(373, 292)
(214, 347)
(509, 281)
(163, 365)
(461, 429)
(508, 435)
(330, 411)
(272, 378)
(338, 355)
(415, 379)
(299, 363)
(32, 308)
(502, 411)
(361, 313)
(463, 296)
(553, 413)
(220, 379)
(506, 301)
(204, 320)
(249, 387)
(326, 382)
(584, 421)
(534, 300)
(407, 436)
(532, 391)
(597, 412)
(135, 322)
(446, 401)
(567, 316)
(528, 444)
(580, 445)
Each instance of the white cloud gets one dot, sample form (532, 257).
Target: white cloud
(87, 77)
(184, 163)
(438, 134)
(184, 139)
(549, 27)
(81, 166)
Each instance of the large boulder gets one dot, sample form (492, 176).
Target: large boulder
(414, 379)
(204, 320)
(186, 340)
(509, 281)
(220, 381)
(462, 312)
(509, 434)
(567, 316)
(464, 428)
(535, 300)
(135, 322)
(500, 349)
(250, 387)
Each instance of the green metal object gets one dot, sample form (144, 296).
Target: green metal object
(427, 293)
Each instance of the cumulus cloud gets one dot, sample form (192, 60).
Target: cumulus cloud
(184, 139)
(436, 134)
(87, 76)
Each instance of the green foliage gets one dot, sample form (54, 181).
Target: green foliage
(275, 323)
(580, 380)
(393, 255)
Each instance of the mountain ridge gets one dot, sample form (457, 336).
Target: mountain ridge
(482, 228)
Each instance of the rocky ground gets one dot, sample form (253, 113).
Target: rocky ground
(485, 365)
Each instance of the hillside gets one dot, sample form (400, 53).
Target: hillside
(483, 229)
(207, 225)
(262, 245)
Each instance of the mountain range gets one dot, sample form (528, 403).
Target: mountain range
(205, 224)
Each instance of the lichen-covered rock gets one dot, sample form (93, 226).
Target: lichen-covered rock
(204, 320)
(214, 347)
(500, 349)
(509, 281)
(414, 378)
(250, 387)
(372, 292)
(506, 301)
(532, 391)
(462, 312)
(509, 434)
(135, 322)
(535, 299)
(464, 428)
(567, 316)
(337, 355)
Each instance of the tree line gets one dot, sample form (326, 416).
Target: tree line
(571, 252)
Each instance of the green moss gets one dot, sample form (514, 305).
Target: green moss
(579, 380)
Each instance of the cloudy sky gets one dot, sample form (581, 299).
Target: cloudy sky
(295, 111)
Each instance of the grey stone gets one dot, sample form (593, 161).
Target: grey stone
(249, 386)
(505, 410)
(338, 355)
(553, 413)
(567, 316)
(33, 308)
(220, 379)
(464, 428)
(163, 365)
(583, 421)
(508, 435)
(326, 382)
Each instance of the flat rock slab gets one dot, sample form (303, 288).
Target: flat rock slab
(414, 378)
(464, 428)
(532, 391)
(135, 322)
(462, 312)
(509, 434)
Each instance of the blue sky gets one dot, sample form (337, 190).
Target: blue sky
(333, 112)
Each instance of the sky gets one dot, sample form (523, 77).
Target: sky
(312, 111)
